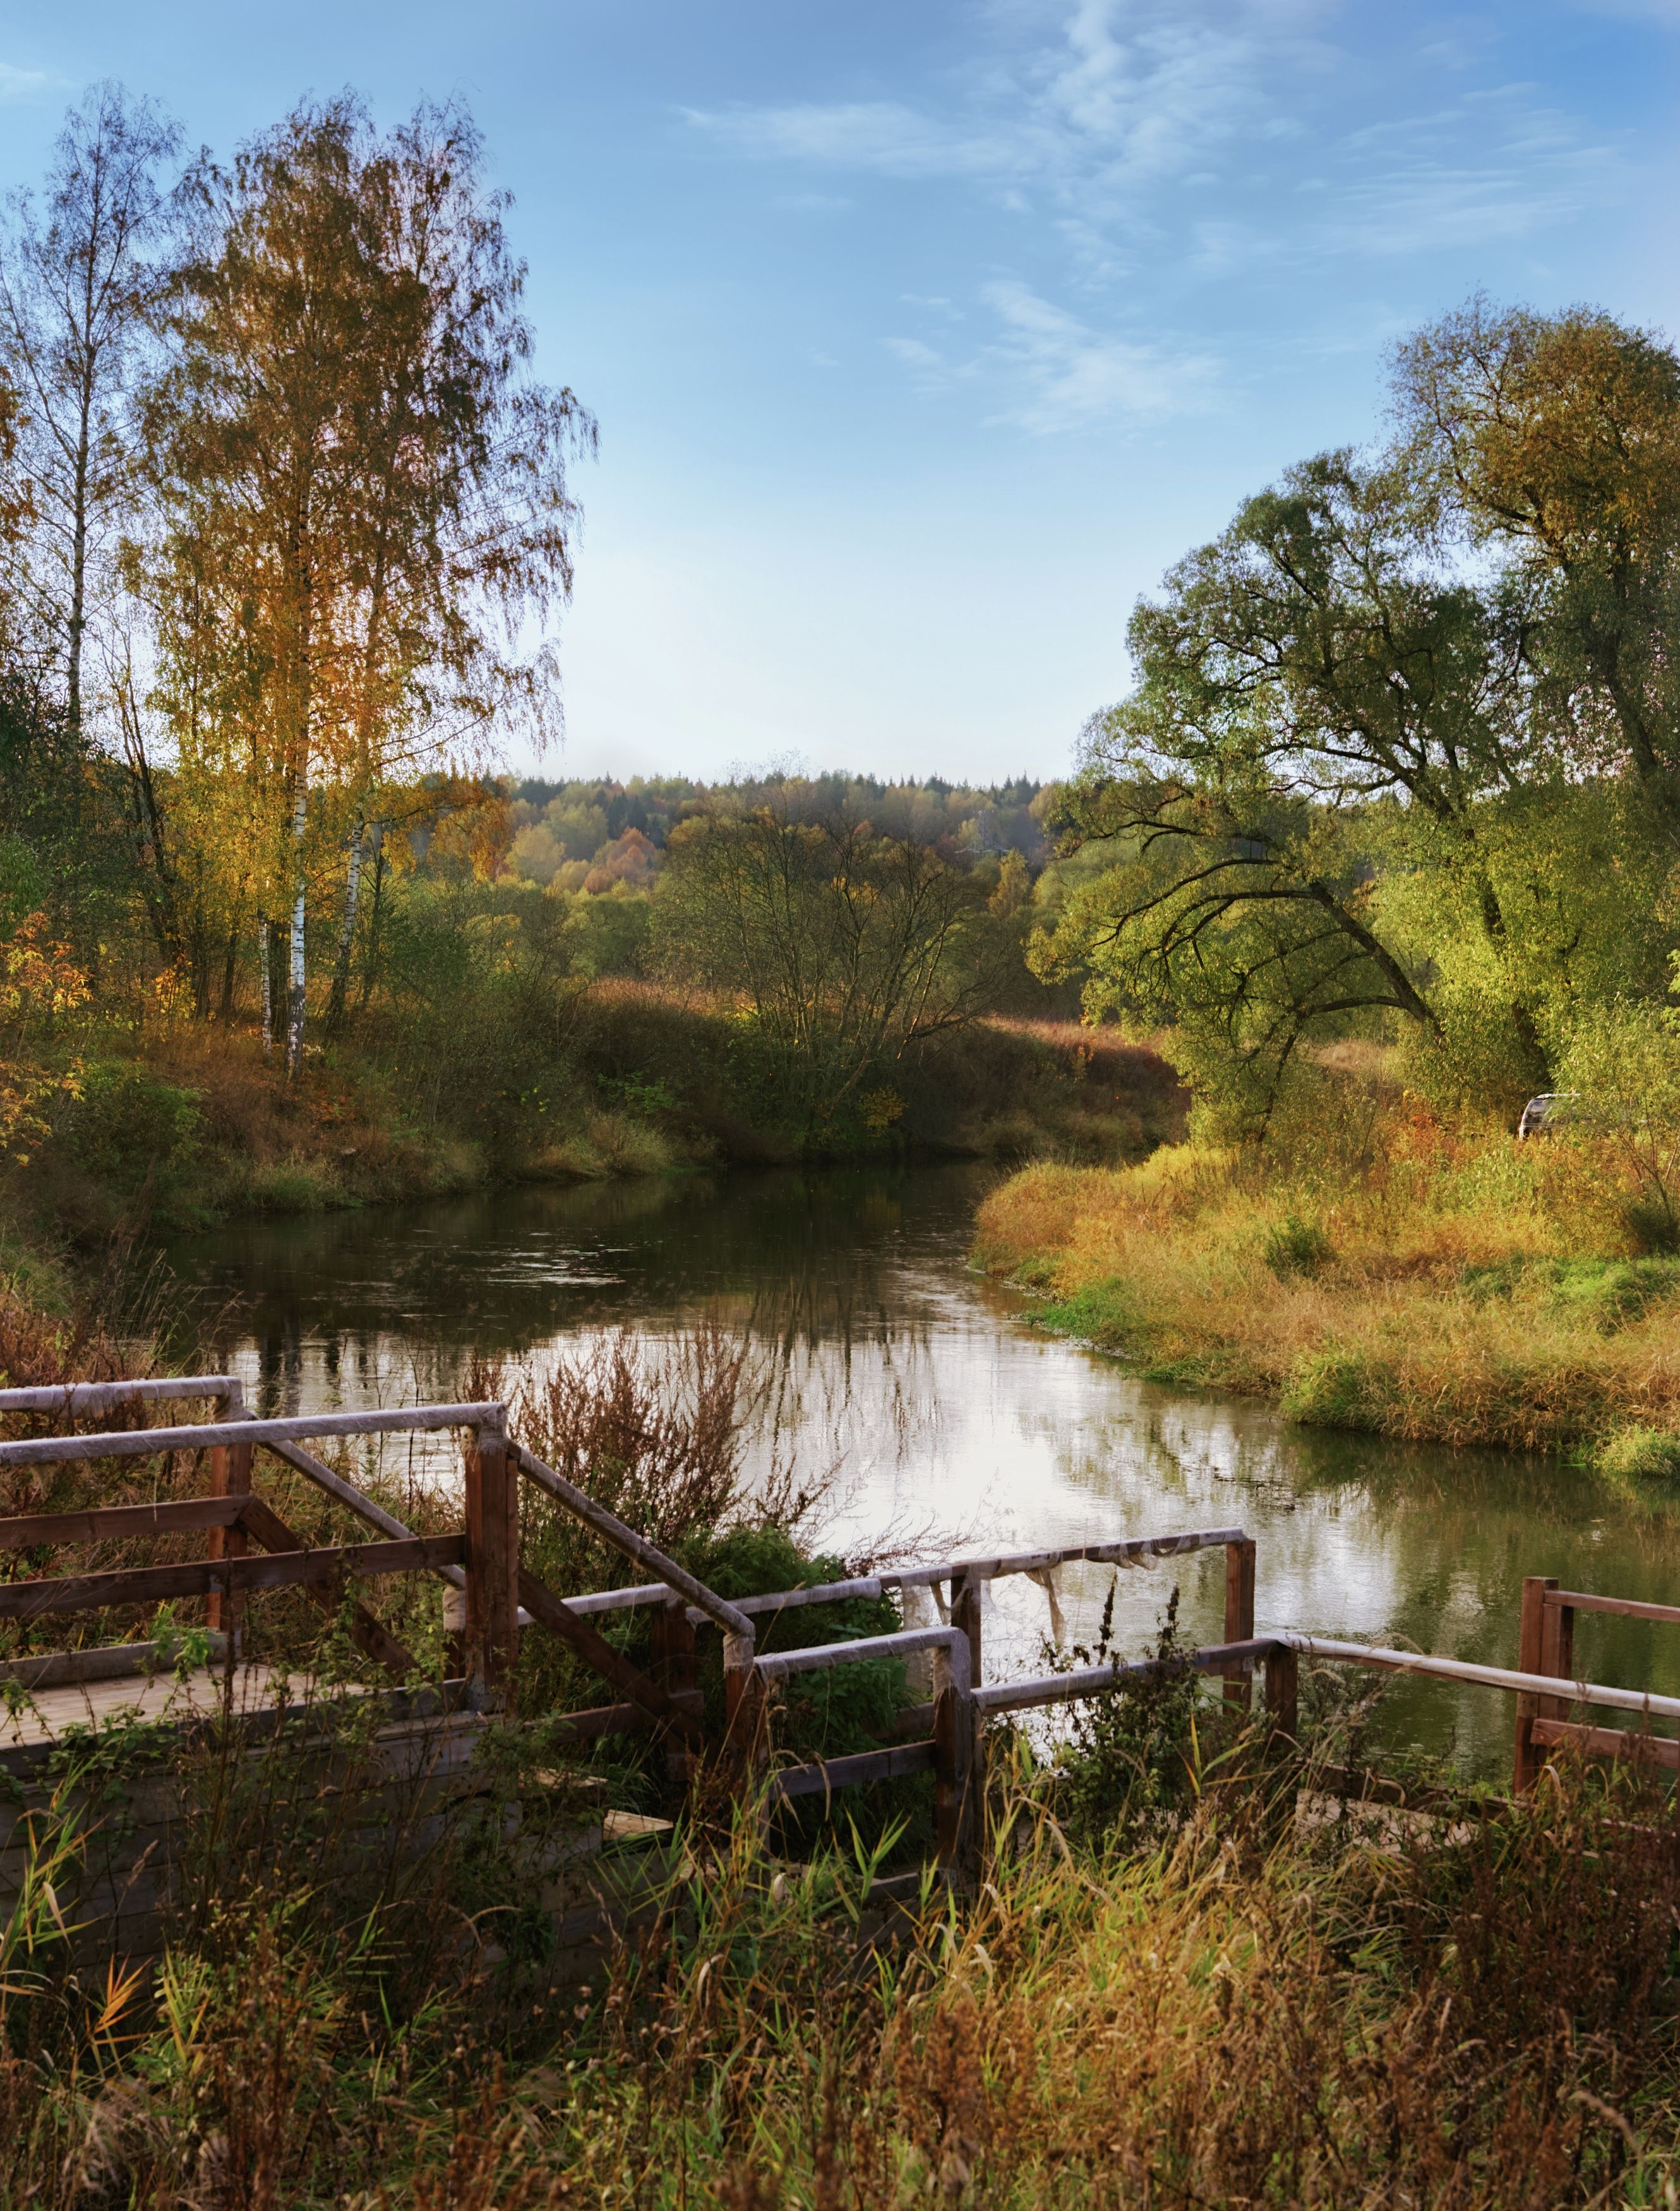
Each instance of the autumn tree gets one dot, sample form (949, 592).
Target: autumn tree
(843, 949)
(364, 515)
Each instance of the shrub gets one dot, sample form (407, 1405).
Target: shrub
(1640, 1454)
(1295, 1246)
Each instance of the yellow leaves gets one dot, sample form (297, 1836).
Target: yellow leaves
(38, 982)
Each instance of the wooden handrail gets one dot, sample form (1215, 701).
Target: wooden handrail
(1626, 1607)
(101, 1524)
(1491, 1677)
(102, 1397)
(58, 1593)
(142, 1442)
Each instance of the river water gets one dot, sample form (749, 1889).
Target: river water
(941, 1419)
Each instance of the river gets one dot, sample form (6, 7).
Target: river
(941, 1418)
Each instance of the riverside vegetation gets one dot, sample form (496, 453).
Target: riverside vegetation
(1176, 1985)
(1381, 843)
(275, 931)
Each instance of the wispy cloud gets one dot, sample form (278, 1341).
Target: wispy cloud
(1162, 146)
(23, 85)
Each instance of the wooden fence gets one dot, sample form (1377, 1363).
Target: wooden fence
(501, 1596)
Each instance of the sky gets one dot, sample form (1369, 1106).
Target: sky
(923, 336)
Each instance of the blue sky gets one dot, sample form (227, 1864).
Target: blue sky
(924, 335)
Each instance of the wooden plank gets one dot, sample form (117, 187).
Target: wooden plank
(109, 1661)
(1102, 1680)
(230, 1477)
(826, 1774)
(1531, 1648)
(1239, 1614)
(371, 1635)
(72, 1397)
(967, 1597)
(1610, 1742)
(1625, 1607)
(492, 1565)
(1283, 1690)
(116, 1523)
(956, 1790)
(619, 1719)
(142, 1442)
(626, 1539)
(549, 1612)
(35, 1600)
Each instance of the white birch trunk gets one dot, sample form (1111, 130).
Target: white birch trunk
(265, 968)
(347, 934)
(294, 1006)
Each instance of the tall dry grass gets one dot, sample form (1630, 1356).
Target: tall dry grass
(1429, 1283)
(1256, 2012)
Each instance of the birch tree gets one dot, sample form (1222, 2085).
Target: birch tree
(366, 518)
(78, 277)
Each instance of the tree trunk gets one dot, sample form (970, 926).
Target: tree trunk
(265, 964)
(229, 969)
(347, 934)
(296, 978)
(377, 913)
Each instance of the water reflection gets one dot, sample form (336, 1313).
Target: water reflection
(942, 1415)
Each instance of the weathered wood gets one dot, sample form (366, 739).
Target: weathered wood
(968, 1595)
(73, 1397)
(901, 1643)
(358, 1501)
(674, 1667)
(957, 1765)
(108, 1661)
(1491, 1677)
(102, 1523)
(626, 1539)
(1130, 1549)
(1610, 1742)
(620, 1719)
(553, 1613)
(1101, 1680)
(492, 1565)
(827, 1774)
(143, 1443)
(1239, 1615)
(371, 1636)
(60, 1593)
(230, 1477)
(1282, 1691)
(1526, 1760)
(746, 1714)
(1625, 1607)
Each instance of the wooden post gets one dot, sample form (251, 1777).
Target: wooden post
(673, 1666)
(745, 1747)
(1239, 1612)
(492, 1567)
(230, 1476)
(967, 1595)
(1532, 1656)
(1283, 1679)
(956, 1775)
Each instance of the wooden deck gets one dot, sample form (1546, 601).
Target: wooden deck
(44, 1716)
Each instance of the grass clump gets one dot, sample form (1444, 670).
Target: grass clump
(1638, 1454)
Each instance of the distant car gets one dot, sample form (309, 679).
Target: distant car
(1545, 1111)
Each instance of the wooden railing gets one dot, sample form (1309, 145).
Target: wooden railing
(501, 1596)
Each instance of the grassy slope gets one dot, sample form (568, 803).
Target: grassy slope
(1457, 1290)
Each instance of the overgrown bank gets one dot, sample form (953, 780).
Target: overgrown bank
(1442, 1284)
(190, 1124)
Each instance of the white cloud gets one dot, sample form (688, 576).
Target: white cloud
(21, 84)
(1072, 376)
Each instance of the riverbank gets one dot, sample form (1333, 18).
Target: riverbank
(189, 1125)
(1460, 1288)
